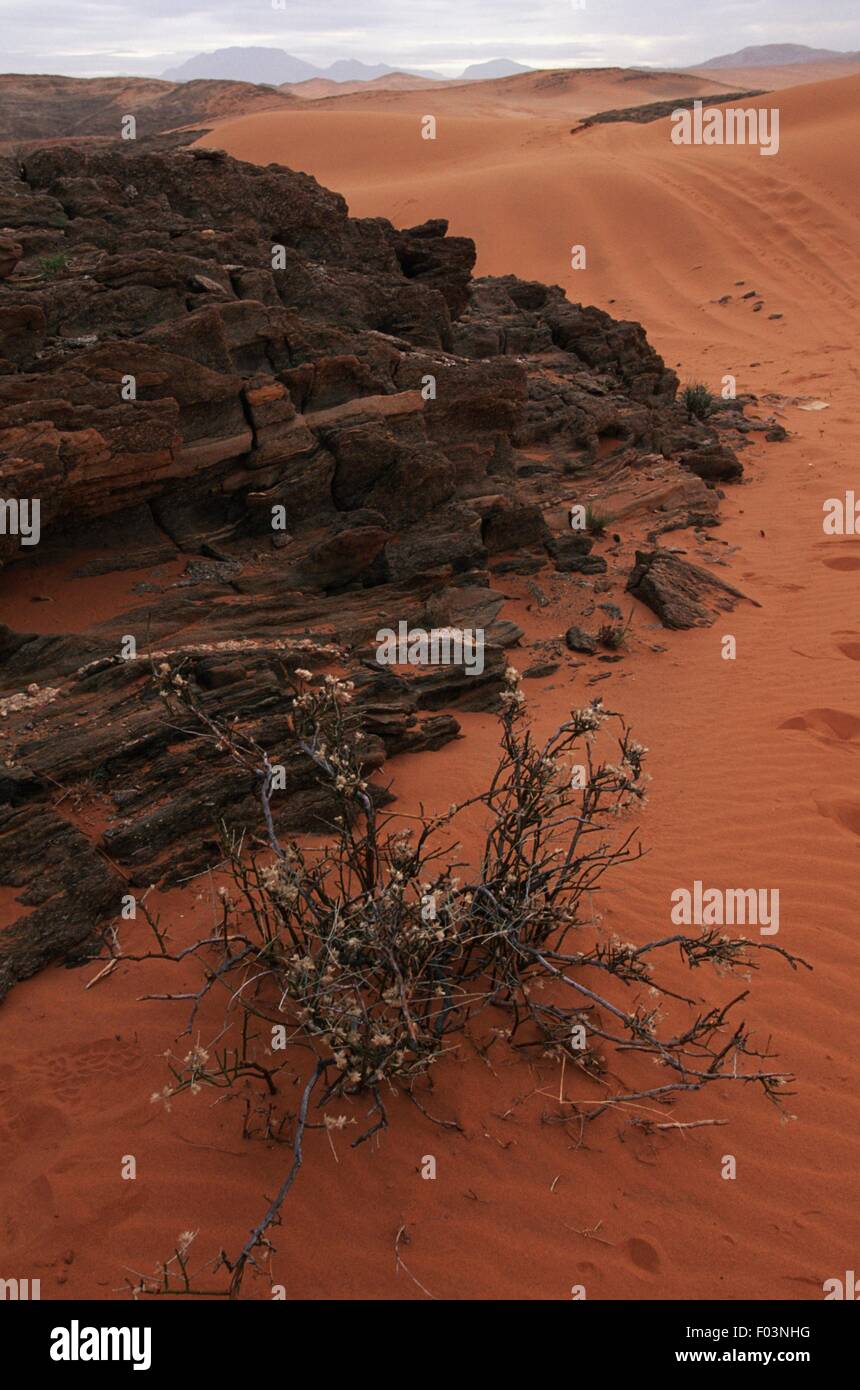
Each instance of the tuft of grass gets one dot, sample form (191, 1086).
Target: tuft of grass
(699, 400)
(614, 635)
(596, 522)
(52, 265)
(611, 635)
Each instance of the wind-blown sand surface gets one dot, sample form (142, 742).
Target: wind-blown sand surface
(785, 75)
(315, 88)
(564, 92)
(755, 765)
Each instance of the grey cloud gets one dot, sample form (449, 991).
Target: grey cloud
(145, 36)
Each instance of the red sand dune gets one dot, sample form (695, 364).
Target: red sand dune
(787, 75)
(755, 768)
(561, 92)
(314, 88)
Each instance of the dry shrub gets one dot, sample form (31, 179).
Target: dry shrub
(369, 951)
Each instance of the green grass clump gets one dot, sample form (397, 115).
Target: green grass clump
(596, 522)
(699, 400)
(52, 265)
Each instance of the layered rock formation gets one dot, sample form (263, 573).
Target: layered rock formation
(335, 428)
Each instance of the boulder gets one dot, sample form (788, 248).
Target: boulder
(682, 595)
(577, 640)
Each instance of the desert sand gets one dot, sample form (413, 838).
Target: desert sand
(754, 766)
(774, 78)
(562, 92)
(316, 88)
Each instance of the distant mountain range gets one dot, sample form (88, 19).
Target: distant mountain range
(776, 55)
(275, 67)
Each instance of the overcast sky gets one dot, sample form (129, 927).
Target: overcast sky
(145, 36)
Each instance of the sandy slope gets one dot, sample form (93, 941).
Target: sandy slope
(562, 92)
(314, 88)
(755, 765)
(787, 75)
(668, 230)
(755, 762)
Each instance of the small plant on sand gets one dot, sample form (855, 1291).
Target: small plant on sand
(614, 635)
(596, 522)
(699, 400)
(611, 635)
(350, 967)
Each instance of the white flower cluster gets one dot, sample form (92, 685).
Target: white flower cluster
(512, 698)
(280, 885)
(591, 718)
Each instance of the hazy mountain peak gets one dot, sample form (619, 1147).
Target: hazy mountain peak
(353, 70)
(496, 67)
(274, 67)
(270, 65)
(768, 55)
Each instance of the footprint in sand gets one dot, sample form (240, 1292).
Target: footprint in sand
(827, 723)
(13, 1131)
(843, 562)
(643, 1255)
(839, 555)
(845, 813)
(25, 1122)
(71, 1074)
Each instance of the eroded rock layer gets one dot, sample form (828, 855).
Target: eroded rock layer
(189, 344)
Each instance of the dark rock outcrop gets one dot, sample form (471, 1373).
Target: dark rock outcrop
(658, 110)
(333, 428)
